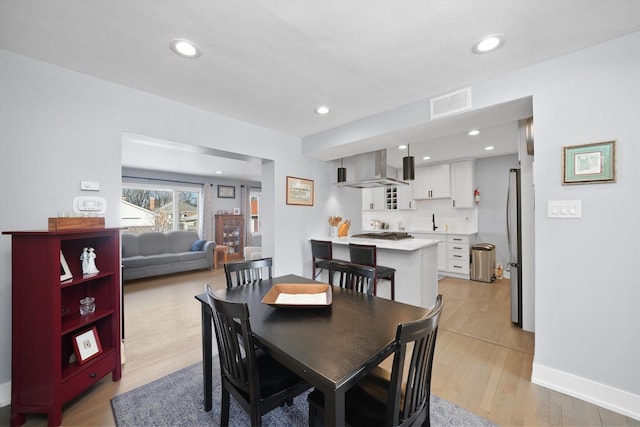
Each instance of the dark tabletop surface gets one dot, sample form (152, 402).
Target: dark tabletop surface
(330, 346)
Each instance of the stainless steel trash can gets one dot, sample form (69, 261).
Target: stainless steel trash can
(483, 262)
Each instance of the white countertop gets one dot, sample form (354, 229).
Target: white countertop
(398, 245)
(438, 231)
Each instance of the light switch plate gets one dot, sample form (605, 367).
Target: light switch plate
(89, 186)
(569, 209)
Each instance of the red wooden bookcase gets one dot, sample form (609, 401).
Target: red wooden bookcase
(46, 316)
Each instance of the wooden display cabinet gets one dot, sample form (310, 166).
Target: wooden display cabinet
(45, 373)
(230, 233)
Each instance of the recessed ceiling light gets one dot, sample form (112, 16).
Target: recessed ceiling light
(489, 148)
(489, 43)
(474, 132)
(426, 158)
(218, 172)
(402, 147)
(323, 110)
(185, 48)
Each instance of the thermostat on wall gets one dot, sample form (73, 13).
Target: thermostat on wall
(94, 205)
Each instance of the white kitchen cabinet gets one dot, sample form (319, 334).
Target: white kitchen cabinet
(373, 199)
(442, 251)
(462, 184)
(420, 184)
(401, 196)
(432, 182)
(391, 198)
(405, 197)
(442, 248)
(458, 256)
(453, 253)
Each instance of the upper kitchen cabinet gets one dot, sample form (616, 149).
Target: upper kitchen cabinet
(462, 184)
(405, 197)
(432, 182)
(391, 198)
(399, 197)
(373, 199)
(405, 194)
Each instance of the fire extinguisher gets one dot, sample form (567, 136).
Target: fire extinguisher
(476, 195)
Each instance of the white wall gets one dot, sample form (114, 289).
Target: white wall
(58, 127)
(587, 287)
(585, 278)
(492, 178)
(586, 281)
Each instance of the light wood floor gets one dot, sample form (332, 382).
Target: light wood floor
(482, 362)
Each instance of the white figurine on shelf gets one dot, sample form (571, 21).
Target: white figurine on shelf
(91, 267)
(84, 257)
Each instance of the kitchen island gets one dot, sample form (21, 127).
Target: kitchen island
(415, 261)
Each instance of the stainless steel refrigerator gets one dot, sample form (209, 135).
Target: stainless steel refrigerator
(514, 236)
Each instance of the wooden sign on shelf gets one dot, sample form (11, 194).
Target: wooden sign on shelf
(75, 223)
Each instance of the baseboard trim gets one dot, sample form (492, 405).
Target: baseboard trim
(608, 397)
(5, 394)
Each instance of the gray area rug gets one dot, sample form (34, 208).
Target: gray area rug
(177, 400)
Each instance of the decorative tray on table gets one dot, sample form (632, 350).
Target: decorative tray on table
(299, 295)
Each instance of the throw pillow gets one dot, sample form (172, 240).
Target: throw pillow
(198, 245)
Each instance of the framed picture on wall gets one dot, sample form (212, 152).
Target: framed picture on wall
(226, 192)
(589, 163)
(299, 191)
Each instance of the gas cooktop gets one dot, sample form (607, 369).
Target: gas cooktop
(386, 235)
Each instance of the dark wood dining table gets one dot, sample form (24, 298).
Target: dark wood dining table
(331, 347)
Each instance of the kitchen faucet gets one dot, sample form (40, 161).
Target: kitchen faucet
(433, 219)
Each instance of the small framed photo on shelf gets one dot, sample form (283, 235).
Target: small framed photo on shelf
(226, 192)
(299, 191)
(589, 163)
(65, 273)
(87, 345)
(236, 211)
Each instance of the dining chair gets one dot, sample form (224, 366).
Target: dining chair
(353, 276)
(246, 272)
(257, 382)
(368, 255)
(384, 398)
(322, 255)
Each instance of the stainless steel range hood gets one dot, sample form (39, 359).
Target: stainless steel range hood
(371, 170)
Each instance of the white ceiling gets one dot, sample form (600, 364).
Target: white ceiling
(502, 137)
(142, 152)
(272, 62)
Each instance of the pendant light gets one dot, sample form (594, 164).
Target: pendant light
(342, 172)
(408, 167)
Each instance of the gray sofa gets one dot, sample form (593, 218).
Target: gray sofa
(155, 254)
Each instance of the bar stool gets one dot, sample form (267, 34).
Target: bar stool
(368, 255)
(322, 255)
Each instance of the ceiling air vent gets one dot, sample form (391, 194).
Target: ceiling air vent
(451, 103)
